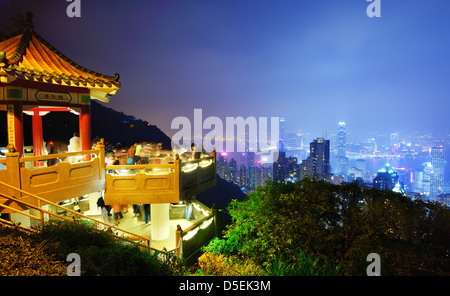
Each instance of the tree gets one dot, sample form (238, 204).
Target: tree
(344, 223)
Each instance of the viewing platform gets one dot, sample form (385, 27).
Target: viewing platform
(172, 180)
(37, 183)
(168, 186)
(81, 173)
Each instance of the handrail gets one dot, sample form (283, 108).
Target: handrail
(56, 215)
(197, 224)
(61, 155)
(12, 224)
(139, 166)
(202, 157)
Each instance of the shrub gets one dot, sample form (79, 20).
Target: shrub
(102, 254)
(343, 222)
(301, 264)
(220, 265)
(21, 256)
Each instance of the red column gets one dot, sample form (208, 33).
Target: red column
(15, 126)
(38, 139)
(85, 128)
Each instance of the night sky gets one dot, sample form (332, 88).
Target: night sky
(313, 62)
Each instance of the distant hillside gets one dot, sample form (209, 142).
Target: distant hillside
(117, 127)
(106, 123)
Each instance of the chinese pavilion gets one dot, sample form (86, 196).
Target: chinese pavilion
(36, 78)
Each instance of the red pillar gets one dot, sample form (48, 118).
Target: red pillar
(38, 139)
(15, 126)
(85, 128)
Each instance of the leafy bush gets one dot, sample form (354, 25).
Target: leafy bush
(300, 264)
(220, 265)
(343, 223)
(102, 254)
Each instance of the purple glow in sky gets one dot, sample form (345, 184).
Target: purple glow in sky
(312, 62)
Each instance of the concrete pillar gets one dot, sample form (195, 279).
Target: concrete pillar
(160, 227)
(93, 208)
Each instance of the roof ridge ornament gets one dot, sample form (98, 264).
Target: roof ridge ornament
(24, 43)
(29, 21)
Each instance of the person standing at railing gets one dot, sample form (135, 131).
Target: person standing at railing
(194, 153)
(136, 208)
(158, 153)
(147, 213)
(74, 146)
(117, 209)
(105, 210)
(131, 153)
(146, 152)
(109, 159)
(52, 150)
(137, 152)
(74, 143)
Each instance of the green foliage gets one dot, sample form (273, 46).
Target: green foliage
(341, 222)
(102, 254)
(301, 264)
(296, 264)
(220, 265)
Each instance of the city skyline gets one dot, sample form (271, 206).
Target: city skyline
(294, 60)
(423, 180)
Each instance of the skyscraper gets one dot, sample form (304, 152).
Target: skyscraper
(317, 165)
(437, 177)
(426, 178)
(341, 156)
(222, 166)
(394, 143)
(242, 176)
(282, 135)
(386, 178)
(279, 167)
(232, 166)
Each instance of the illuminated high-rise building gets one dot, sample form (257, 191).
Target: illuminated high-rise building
(242, 176)
(394, 143)
(232, 170)
(386, 178)
(426, 178)
(341, 156)
(279, 167)
(317, 165)
(222, 166)
(437, 177)
(282, 135)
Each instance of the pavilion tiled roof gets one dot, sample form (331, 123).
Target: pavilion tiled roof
(28, 56)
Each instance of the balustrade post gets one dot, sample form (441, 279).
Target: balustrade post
(41, 215)
(100, 145)
(13, 169)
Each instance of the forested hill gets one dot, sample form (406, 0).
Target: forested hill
(115, 127)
